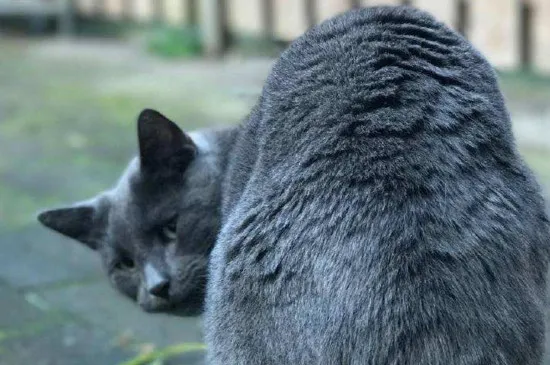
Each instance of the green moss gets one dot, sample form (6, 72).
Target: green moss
(121, 109)
(18, 207)
(525, 86)
(165, 353)
(539, 160)
(34, 328)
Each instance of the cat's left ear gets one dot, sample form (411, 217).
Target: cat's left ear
(163, 146)
(84, 222)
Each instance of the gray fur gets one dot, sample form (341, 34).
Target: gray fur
(176, 178)
(376, 210)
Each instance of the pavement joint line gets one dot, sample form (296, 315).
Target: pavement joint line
(62, 284)
(32, 328)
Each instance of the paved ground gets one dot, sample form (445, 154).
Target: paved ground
(67, 129)
(67, 116)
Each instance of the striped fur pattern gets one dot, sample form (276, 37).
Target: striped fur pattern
(376, 210)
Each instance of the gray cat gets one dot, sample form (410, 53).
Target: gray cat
(376, 210)
(154, 230)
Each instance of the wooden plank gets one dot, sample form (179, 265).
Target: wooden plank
(175, 11)
(268, 18)
(27, 7)
(496, 33)
(310, 12)
(213, 27)
(114, 9)
(443, 10)
(463, 15)
(158, 10)
(541, 35)
(526, 35)
(290, 19)
(143, 10)
(66, 24)
(61, 9)
(245, 16)
(85, 7)
(329, 8)
(381, 2)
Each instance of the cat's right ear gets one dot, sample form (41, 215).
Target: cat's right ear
(80, 222)
(163, 147)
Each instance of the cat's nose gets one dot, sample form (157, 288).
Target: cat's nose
(156, 283)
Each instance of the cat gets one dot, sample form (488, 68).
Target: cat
(154, 230)
(375, 209)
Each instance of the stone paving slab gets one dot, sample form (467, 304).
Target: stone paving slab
(67, 139)
(31, 334)
(57, 307)
(65, 344)
(35, 256)
(15, 311)
(101, 306)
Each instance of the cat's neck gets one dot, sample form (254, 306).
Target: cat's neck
(215, 144)
(218, 142)
(214, 149)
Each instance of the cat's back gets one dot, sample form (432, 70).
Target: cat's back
(370, 82)
(383, 214)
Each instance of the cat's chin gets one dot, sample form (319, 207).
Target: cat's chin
(154, 307)
(152, 304)
(190, 305)
(175, 309)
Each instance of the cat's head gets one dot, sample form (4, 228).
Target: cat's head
(154, 230)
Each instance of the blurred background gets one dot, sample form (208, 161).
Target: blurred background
(75, 74)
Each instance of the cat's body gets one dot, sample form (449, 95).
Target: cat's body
(155, 229)
(376, 210)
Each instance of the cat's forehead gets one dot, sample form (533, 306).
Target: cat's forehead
(137, 196)
(133, 185)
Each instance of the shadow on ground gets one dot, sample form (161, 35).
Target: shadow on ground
(67, 129)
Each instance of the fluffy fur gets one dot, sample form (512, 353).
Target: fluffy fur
(376, 210)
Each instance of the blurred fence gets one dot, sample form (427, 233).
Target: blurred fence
(511, 33)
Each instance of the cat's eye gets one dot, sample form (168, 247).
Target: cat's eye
(125, 263)
(168, 232)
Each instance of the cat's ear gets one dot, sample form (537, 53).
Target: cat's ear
(163, 146)
(81, 222)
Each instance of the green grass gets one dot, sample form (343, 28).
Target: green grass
(539, 160)
(525, 86)
(33, 328)
(66, 133)
(175, 42)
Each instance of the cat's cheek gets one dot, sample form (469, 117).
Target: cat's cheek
(125, 283)
(188, 276)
